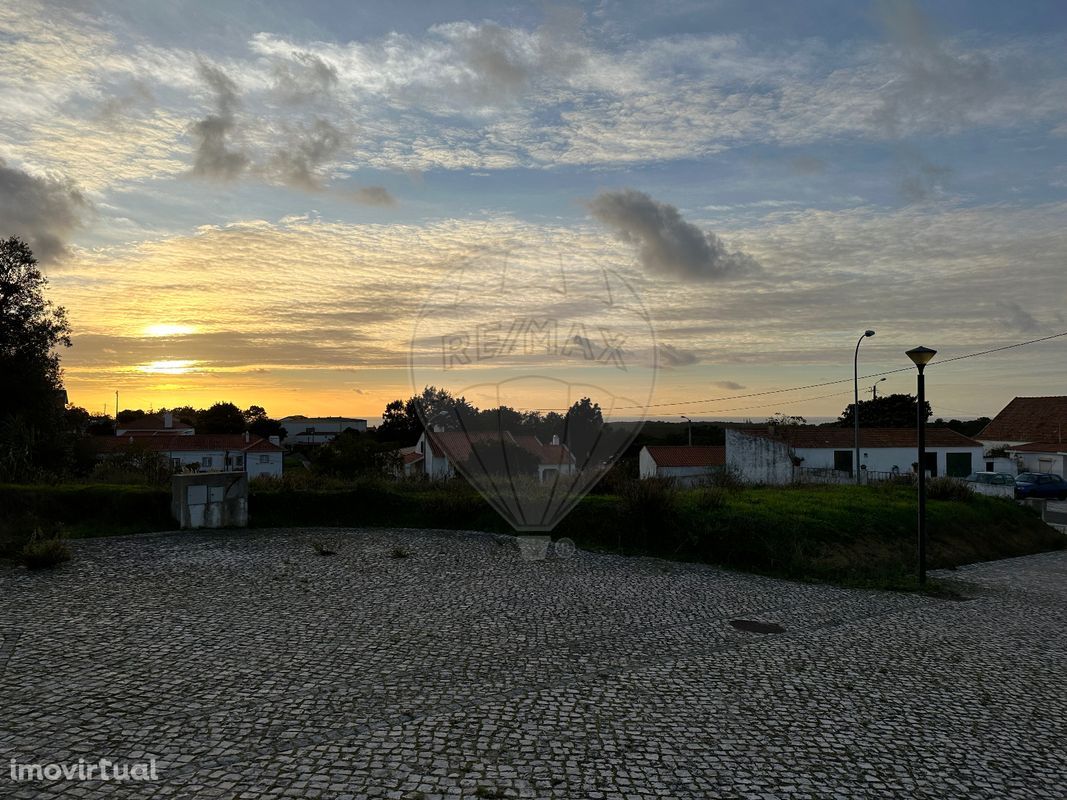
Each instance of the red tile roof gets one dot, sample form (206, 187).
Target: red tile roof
(1040, 447)
(1029, 419)
(197, 442)
(843, 438)
(685, 456)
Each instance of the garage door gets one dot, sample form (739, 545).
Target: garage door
(958, 465)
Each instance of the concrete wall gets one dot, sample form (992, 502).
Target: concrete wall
(213, 500)
(757, 459)
(1042, 462)
(884, 459)
(264, 465)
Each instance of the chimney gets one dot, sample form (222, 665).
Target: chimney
(555, 439)
(438, 428)
(246, 436)
(168, 419)
(275, 440)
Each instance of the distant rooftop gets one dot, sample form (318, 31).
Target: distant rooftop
(1029, 419)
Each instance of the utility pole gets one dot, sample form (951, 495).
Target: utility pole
(683, 416)
(116, 405)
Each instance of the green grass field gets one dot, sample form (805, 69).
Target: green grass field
(846, 534)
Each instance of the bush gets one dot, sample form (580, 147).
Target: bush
(725, 478)
(44, 550)
(945, 488)
(708, 499)
(649, 505)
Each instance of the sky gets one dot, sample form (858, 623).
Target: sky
(258, 202)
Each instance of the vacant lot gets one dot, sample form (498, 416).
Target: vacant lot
(440, 664)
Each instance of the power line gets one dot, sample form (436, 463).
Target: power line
(827, 383)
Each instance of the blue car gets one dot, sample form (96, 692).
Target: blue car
(1040, 485)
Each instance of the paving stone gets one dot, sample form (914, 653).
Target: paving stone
(250, 667)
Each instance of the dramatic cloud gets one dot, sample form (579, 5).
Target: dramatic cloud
(370, 196)
(668, 357)
(304, 78)
(923, 180)
(935, 84)
(42, 210)
(214, 156)
(666, 244)
(308, 149)
(1014, 317)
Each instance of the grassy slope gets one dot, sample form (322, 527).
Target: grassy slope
(840, 533)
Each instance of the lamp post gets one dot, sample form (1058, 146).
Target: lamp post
(690, 426)
(874, 389)
(921, 356)
(856, 405)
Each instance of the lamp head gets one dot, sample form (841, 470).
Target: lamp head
(921, 356)
(868, 332)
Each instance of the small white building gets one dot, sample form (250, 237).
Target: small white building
(686, 464)
(1040, 457)
(441, 450)
(154, 425)
(240, 452)
(301, 430)
(778, 454)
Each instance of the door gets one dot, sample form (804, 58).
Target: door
(931, 465)
(957, 465)
(843, 461)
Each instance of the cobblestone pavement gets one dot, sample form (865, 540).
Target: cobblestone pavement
(251, 667)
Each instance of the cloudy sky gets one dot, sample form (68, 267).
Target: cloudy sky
(249, 202)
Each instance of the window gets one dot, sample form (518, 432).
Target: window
(309, 431)
(206, 461)
(239, 461)
(264, 459)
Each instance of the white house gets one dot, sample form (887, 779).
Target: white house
(777, 454)
(685, 464)
(1040, 457)
(240, 452)
(440, 450)
(301, 430)
(1033, 433)
(154, 425)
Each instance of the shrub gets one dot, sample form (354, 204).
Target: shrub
(649, 505)
(725, 478)
(709, 498)
(944, 488)
(44, 550)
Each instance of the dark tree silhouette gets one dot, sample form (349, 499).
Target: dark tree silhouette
(890, 411)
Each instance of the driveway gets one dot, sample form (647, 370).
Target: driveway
(422, 664)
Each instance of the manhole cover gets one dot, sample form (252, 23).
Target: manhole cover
(755, 626)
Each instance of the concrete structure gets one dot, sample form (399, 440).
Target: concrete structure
(301, 430)
(241, 452)
(440, 450)
(1028, 435)
(154, 425)
(1040, 457)
(686, 464)
(210, 500)
(778, 454)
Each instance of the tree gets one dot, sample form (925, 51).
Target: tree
(501, 457)
(582, 426)
(786, 419)
(258, 423)
(352, 454)
(888, 411)
(221, 418)
(31, 331)
(400, 422)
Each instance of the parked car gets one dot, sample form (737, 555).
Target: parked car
(994, 478)
(1040, 485)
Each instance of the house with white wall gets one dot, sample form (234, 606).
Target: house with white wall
(240, 452)
(154, 425)
(1028, 433)
(301, 430)
(778, 454)
(685, 464)
(441, 450)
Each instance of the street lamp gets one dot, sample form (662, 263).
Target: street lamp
(683, 416)
(874, 389)
(856, 404)
(921, 356)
